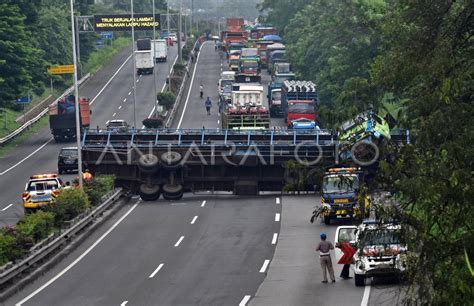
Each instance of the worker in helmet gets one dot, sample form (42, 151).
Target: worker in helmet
(87, 176)
(324, 247)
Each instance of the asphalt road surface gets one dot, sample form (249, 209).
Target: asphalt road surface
(111, 100)
(206, 249)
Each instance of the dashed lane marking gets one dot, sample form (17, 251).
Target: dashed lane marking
(245, 300)
(275, 238)
(203, 203)
(264, 266)
(156, 270)
(179, 241)
(277, 200)
(52, 280)
(194, 219)
(277, 217)
(7, 207)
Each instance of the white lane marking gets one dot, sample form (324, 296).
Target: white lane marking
(120, 107)
(245, 300)
(156, 271)
(277, 217)
(92, 102)
(138, 80)
(162, 89)
(365, 298)
(109, 81)
(124, 100)
(203, 203)
(189, 90)
(179, 241)
(114, 114)
(194, 219)
(277, 200)
(218, 121)
(7, 207)
(265, 265)
(275, 238)
(129, 93)
(124, 303)
(80, 257)
(31, 154)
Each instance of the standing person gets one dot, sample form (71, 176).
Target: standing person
(325, 258)
(347, 258)
(208, 105)
(201, 90)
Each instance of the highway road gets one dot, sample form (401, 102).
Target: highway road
(205, 249)
(110, 100)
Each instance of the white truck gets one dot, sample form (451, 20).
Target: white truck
(144, 61)
(161, 50)
(379, 249)
(246, 112)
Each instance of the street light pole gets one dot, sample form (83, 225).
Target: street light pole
(154, 61)
(76, 94)
(134, 71)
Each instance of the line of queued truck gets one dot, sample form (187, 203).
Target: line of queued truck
(240, 89)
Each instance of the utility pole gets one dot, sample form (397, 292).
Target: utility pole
(76, 93)
(179, 38)
(154, 61)
(134, 70)
(192, 16)
(78, 44)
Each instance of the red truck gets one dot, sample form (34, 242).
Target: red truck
(299, 100)
(62, 117)
(234, 32)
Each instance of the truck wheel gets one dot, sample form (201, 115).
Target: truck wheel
(172, 191)
(149, 192)
(148, 163)
(170, 160)
(359, 280)
(327, 220)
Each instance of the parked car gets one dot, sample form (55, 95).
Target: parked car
(117, 125)
(67, 160)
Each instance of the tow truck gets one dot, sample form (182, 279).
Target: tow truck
(339, 198)
(380, 251)
(41, 190)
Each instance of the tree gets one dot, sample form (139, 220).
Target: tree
(428, 63)
(15, 50)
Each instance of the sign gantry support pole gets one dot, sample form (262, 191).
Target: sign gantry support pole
(76, 94)
(134, 70)
(154, 62)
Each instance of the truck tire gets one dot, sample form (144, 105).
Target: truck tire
(148, 163)
(359, 280)
(327, 220)
(149, 192)
(171, 160)
(172, 191)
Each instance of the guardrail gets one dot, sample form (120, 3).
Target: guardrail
(58, 241)
(177, 101)
(30, 122)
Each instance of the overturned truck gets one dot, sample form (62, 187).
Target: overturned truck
(170, 162)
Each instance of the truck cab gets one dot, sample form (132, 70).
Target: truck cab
(339, 194)
(380, 251)
(41, 190)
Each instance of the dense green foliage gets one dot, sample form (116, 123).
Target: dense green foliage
(36, 34)
(69, 204)
(99, 187)
(16, 241)
(415, 56)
